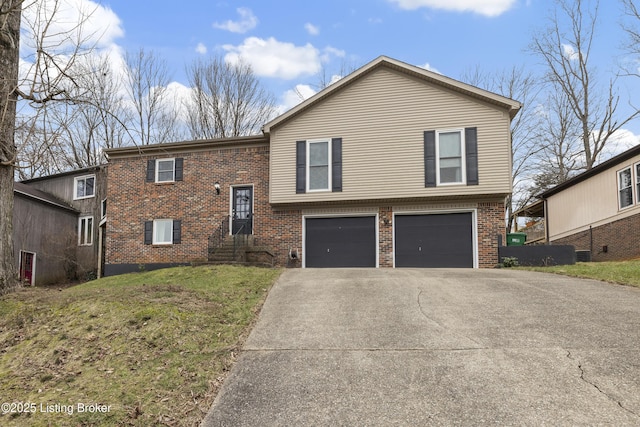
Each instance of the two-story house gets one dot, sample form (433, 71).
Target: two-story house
(392, 166)
(58, 226)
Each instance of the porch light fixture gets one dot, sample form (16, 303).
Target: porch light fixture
(217, 187)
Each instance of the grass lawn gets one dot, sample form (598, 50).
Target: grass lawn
(622, 272)
(148, 348)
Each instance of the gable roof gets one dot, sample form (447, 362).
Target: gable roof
(624, 156)
(383, 61)
(41, 196)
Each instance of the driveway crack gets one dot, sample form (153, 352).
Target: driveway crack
(594, 385)
(424, 314)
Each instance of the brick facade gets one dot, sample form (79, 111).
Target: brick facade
(490, 226)
(615, 241)
(193, 201)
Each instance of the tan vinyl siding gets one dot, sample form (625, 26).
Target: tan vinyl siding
(592, 202)
(381, 119)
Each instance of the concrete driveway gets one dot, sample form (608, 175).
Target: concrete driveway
(380, 347)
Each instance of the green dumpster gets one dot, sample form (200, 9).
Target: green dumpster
(516, 239)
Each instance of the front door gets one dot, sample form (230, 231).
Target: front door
(27, 261)
(242, 210)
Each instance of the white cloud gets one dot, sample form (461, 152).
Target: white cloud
(201, 49)
(312, 29)
(483, 7)
(428, 66)
(69, 23)
(295, 96)
(620, 141)
(569, 52)
(248, 21)
(272, 58)
(329, 51)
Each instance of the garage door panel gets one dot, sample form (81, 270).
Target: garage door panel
(435, 240)
(340, 242)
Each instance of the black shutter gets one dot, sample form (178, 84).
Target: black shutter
(301, 166)
(148, 232)
(177, 231)
(336, 164)
(151, 170)
(429, 158)
(471, 152)
(179, 162)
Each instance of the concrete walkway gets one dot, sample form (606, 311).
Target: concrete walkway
(381, 347)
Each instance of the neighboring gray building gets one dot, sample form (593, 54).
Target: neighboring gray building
(59, 223)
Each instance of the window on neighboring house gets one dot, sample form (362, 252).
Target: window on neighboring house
(625, 188)
(637, 182)
(319, 165)
(85, 231)
(84, 187)
(450, 155)
(162, 232)
(103, 208)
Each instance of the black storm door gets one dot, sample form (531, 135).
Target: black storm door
(242, 212)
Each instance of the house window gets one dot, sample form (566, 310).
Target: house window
(625, 188)
(85, 231)
(103, 208)
(319, 165)
(450, 155)
(162, 232)
(637, 181)
(165, 170)
(84, 187)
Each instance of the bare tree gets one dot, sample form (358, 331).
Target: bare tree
(518, 84)
(632, 29)
(10, 11)
(51, 55)
(566, 54)
(559, 139)
(228, 100)
(146, 84)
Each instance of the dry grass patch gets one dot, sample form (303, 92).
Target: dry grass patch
(153, 347)
(621, 272)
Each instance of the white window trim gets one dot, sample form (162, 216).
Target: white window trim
(86, 230)
(633, 184)
(153, 236)
(173, 179)
(308, 165)
(75, 187)
(463, 154)
(635, 181)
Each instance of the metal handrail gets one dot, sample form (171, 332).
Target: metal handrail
(217, 238)
(235, 238)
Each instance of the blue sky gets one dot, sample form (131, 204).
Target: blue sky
(289, 42)
(451, 36)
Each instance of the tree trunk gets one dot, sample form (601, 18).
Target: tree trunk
(10, 11)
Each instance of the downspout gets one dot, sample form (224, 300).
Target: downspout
(100, 237)
(546, 222)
